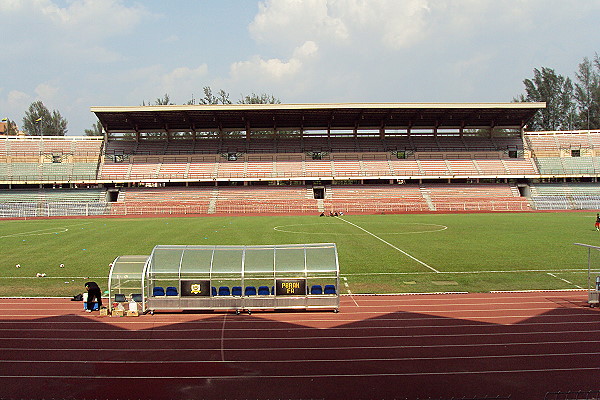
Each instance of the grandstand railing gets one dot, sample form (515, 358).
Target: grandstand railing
(484, 206)
(48, 179)
(310, 174)
(55, 209)
(51, 209)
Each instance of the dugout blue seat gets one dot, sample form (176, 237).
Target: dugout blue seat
(329, 289)
(158, 291)
(224, 291)
(263, 291)
(172, 291)
(250, 291)
(316, 289)
(213, 291)
(236, 291)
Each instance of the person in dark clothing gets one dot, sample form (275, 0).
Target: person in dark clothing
(94, 293)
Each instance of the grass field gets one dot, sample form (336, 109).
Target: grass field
(377, 253)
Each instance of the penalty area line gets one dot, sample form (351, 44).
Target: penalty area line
(391, 245)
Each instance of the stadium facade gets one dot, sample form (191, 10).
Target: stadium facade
(302, 158)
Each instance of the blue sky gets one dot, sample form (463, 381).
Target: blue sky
(75, 54)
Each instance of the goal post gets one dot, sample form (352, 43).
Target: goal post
(593, 279)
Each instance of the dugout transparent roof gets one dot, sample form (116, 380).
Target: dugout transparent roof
(305, 259)
(129, 265)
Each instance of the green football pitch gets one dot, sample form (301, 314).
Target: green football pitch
(377, 253)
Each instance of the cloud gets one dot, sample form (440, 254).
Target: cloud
(272, 70)
(296, 21)
(391, 23)
(46, 92)
(48, 30)
(148, 83)
(183, 78)
(88, 18)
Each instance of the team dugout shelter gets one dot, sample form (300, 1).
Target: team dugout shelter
(229, 278)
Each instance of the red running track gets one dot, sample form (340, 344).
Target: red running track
(377, 347)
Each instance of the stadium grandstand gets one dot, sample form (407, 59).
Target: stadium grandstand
(302, 158)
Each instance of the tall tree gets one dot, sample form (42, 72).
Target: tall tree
(557, 92)
(57, 125)
(96, 130)
(262, 98)
(11, 127)
(209, 98)
(587, 93)
(38, 121)
(160, 101)
(164, 101)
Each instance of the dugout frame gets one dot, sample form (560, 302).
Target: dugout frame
(125, 278)
(234, 278)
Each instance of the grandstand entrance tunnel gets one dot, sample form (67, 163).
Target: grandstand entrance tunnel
(319, 192)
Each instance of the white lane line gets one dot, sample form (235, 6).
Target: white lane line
(564, 280)
(331, 337)
(391, 245)
(413, 308)
(308, 376)
(306, 348)
(308, 328)
(304, 360)
(223, 338)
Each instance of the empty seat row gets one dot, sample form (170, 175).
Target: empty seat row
(160, 291)
(237, 291)
(317, 289)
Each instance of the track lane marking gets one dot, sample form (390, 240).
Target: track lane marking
(308, 376)
(305, 360)
(253, 349)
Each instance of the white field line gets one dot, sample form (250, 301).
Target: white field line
(53, 277)
(564, 280)
(472, 272)
(391, 245)
(348, 289)
(45, 231)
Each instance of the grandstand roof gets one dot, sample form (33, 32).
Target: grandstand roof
(191, 118)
